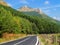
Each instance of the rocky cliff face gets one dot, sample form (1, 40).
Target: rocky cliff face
(26, 9)
(3, 3)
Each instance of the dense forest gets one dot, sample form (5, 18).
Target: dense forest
(13, 21)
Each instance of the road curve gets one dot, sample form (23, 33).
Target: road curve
(30, 40)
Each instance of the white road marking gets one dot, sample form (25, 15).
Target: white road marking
(37, 41)
(9, 41)
(22, 41)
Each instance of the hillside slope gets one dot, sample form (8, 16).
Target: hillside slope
(13, 21)
(35, 12)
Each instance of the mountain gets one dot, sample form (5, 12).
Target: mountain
(35, 12)
(29, 9)
(3, 3)
(17, 22)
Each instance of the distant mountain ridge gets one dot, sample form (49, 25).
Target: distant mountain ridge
(35, 12)
(29, 9)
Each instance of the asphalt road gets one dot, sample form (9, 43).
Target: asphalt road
(30, 40)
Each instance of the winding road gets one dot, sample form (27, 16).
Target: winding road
(29, 40)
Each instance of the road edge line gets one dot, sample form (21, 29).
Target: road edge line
(11, 40)
(37, 40)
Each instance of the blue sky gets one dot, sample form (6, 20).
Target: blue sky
(49, 7)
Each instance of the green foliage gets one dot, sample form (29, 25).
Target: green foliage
(8, 23)
(13, 21)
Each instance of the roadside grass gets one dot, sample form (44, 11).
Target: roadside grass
(9, 37)
(45, 39)
(49, 39)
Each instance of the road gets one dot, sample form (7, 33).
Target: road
(30, 40)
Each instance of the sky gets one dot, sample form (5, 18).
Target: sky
(49, 7)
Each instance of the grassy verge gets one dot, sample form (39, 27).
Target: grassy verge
(45, 39)
(49, 39)
(12, 37)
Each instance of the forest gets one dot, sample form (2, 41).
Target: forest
(14, 21)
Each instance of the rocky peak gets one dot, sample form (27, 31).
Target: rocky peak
(3, 3)
(27, 8)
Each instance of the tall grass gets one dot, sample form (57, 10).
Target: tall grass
(8, 37)
(49, 39)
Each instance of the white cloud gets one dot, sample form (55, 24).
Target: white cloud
(9, 5)
(24, 2)
(57, 18)
(51, 7)
(47, 11)
(46, 2)
(54, 17)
